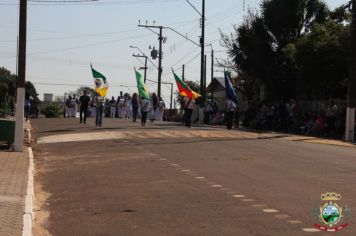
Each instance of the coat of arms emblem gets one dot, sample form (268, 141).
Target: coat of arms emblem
(331, 215)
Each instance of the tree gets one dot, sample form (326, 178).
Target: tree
(281, 47)
(8, 90)
(322, 59)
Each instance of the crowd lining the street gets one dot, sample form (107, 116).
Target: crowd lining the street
(287, 117)
(126, 106)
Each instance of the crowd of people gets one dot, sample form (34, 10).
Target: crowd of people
(286, 117)
(290, 117)
(126, 106)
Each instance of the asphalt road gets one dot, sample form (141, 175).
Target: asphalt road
(168, 180)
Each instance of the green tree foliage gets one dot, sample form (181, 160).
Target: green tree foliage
(52, 110)
(8, 91)
(285, 47)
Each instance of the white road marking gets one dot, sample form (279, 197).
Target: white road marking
(311, 230)
(282, 216)
(174, 165)
(216, 186)
(294, 221)
(200, 177)
(270, 210)
(185, 170)
(239, 196)
(163, 159)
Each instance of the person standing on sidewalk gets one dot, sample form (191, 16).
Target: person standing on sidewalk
(230, 109)
(134, 103)
(113, 107)
(189, 104)
(27, 107)
(145, 108)
(84, 101)
(99, 103)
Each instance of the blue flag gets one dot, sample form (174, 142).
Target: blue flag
(229, 89)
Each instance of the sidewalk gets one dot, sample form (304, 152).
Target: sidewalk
(288, 136)
(13, 186)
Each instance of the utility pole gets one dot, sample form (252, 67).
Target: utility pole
(202, 44)
(183, 68)
(205, 74)
(21, 78)
(160, 56)
(351, 100)
(144, 68)
(212, 64)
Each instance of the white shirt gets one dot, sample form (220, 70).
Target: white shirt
(145, 105)
(230, 105)
(189, 103)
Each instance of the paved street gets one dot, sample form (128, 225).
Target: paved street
(168, 180)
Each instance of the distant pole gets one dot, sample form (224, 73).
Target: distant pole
(145, 68)
(160, 56)
(212, 65)
(202, 44)
(183, 68)
(171, 106)
(145, 75)
(205, 62)
(21, 78)
(351, 98)
(64, 105)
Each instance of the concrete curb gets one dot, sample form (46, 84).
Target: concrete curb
(28, 213)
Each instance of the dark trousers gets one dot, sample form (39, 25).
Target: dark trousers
(237, 119)
(83, 110)
(27, 112)
(229, 119)
(188, 117)
(99, 115)
(143, 117)
(134, 113)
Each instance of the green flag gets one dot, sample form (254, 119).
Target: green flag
(101, 85)
(98, 75)
(142, 89)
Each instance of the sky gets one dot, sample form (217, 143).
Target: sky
(64, 38)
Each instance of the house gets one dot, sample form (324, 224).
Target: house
(216, 89)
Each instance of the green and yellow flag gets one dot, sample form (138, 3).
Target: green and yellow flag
(100, 81)
(141, 86)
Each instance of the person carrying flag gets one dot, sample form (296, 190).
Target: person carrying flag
(189, 97)
(99, 102)
(189, 104)
(231, 101)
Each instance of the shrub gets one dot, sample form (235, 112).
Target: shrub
(52, 110)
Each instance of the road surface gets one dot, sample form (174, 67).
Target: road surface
(166, 179)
